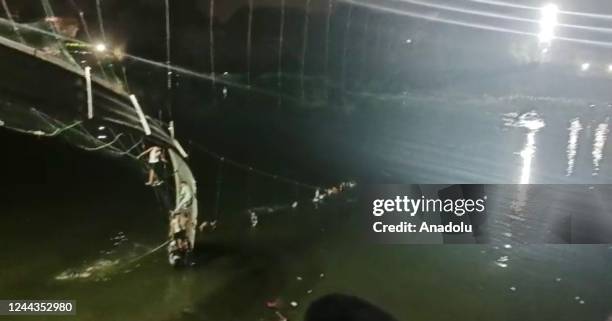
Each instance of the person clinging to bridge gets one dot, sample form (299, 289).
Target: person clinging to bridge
(185, 198)
(156, 157)
(180, 218)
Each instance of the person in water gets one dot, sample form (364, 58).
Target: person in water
(178, 232)
(177, 227)
(156, 157)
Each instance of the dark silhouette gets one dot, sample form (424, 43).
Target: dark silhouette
(340, 307)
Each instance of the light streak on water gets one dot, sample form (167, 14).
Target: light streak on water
(601, 135)
(529, 150)
(527, 155)
(572, 145)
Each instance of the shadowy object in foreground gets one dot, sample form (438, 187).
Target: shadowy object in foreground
(340, 307)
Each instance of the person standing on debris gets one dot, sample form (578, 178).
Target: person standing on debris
(156, 156)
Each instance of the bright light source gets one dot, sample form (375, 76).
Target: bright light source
(610, 68)
(548, 22)
(585, 66)
(101, 128)
(100, 47)
(408, 41)
(102, 137)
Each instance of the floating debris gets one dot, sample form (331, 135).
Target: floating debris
(280, 316)
(98, 269)
(512, 288)
(294, 304)
(501, 261)
(299, 278)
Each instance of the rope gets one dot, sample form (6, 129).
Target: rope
(100, 20)
(247, 190)
(104, 145)
(211, 36)
(218, 191)
(249, 42)
(249, 168)
(40, 133)
(168, 61)
(304, 47)
(146, 254)
(9, 15)
(281, 37)
(84, 132)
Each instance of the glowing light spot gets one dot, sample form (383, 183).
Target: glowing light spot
(548, 23)
(585, 66)
(610, 68)
(100, 47)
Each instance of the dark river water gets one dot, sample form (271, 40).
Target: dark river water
(83, 226)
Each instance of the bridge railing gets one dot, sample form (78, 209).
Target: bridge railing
(55, 37)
